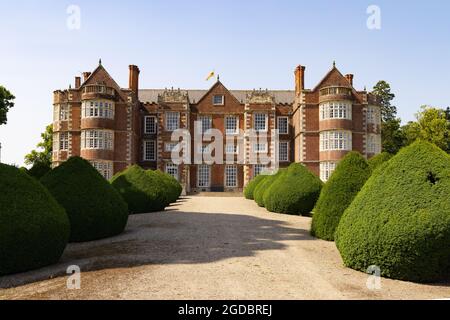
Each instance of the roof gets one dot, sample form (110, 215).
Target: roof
(281, 96)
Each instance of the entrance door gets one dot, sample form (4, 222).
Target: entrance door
(204, 176)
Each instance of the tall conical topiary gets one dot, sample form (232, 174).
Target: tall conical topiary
(337, 194)
(262, 187)
(378, 160)
(174, 188)
(94, 207)
(142, 191)
(251, 186)
(34, 228)
(400, 221)
(295, 192)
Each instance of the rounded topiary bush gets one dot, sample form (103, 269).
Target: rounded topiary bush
(39, 170)
(142, 191)
(251, 186)
(94, 207)
(295, 192)
(174, 188)
(34, 228)
(262, 187)
(400, 221)
(337, 194)
(378, 160)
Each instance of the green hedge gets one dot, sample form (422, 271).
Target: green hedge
(262, 187)
(39, 170)
(34, 228)
(174, 188)
(142, 191)
(338, 193)
(294, 192)
(400, 221)
(251, 186)
(94, 207)
(378, 160)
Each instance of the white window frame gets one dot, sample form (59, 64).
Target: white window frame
(171, 146)
(231, 176)
(105, 168)
(335, 110)
(101, 109)
(172, 124)
(258, 169)
(257, 147)
(255, 120)
(206, 122)
(149, 153)
(373, 143)
(222, 100)
(230, 131)
(173, 170)
(279, 126)
(235, 148)
(150, 125)
(63, 141)
(97, 139)
(326, 170)
(374, 115)
(285, 159)
(338, 140)
(205, 170)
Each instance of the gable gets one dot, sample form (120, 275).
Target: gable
(231, 104)
(101, 76)
(333, 78)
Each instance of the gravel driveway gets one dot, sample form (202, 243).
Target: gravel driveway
(210, 248)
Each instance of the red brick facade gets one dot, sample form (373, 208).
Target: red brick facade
(114, 127)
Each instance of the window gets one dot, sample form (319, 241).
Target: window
(258, 169)
(231, 125)
(105, 168)
(63, 141)
(61, 112)
(374, 143)
(172, 169)
(231, 148)
(373, 115)
(335, 140)
(335, 110)
(206, 123)
(283, 125)
(150, 124)
(149, 150)
(97, 139)
(203, 176)
(218, 100)
(260, 147)
(231, 176)
(283, 153)
(205, 148)
(171, 146)
(260, 122)
(326, 169)
(172, 121)
(97, 109)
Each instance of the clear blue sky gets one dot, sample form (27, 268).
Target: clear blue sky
(250, 43)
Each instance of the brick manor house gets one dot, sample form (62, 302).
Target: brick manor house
(116, 127)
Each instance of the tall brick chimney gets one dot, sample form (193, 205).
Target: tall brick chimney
(299, 79)
(77, 82)
(86, 75)
(133, 83)
(349, 78)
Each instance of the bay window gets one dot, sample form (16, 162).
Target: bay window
(336, 140)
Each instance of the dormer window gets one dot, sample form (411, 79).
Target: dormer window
(218, 100)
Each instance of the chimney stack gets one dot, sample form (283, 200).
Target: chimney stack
(86, 75)
(133, 83)
(299, 79)
(349, 78)
(77, 82)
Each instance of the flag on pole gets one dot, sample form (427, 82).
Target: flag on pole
(211, 75)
